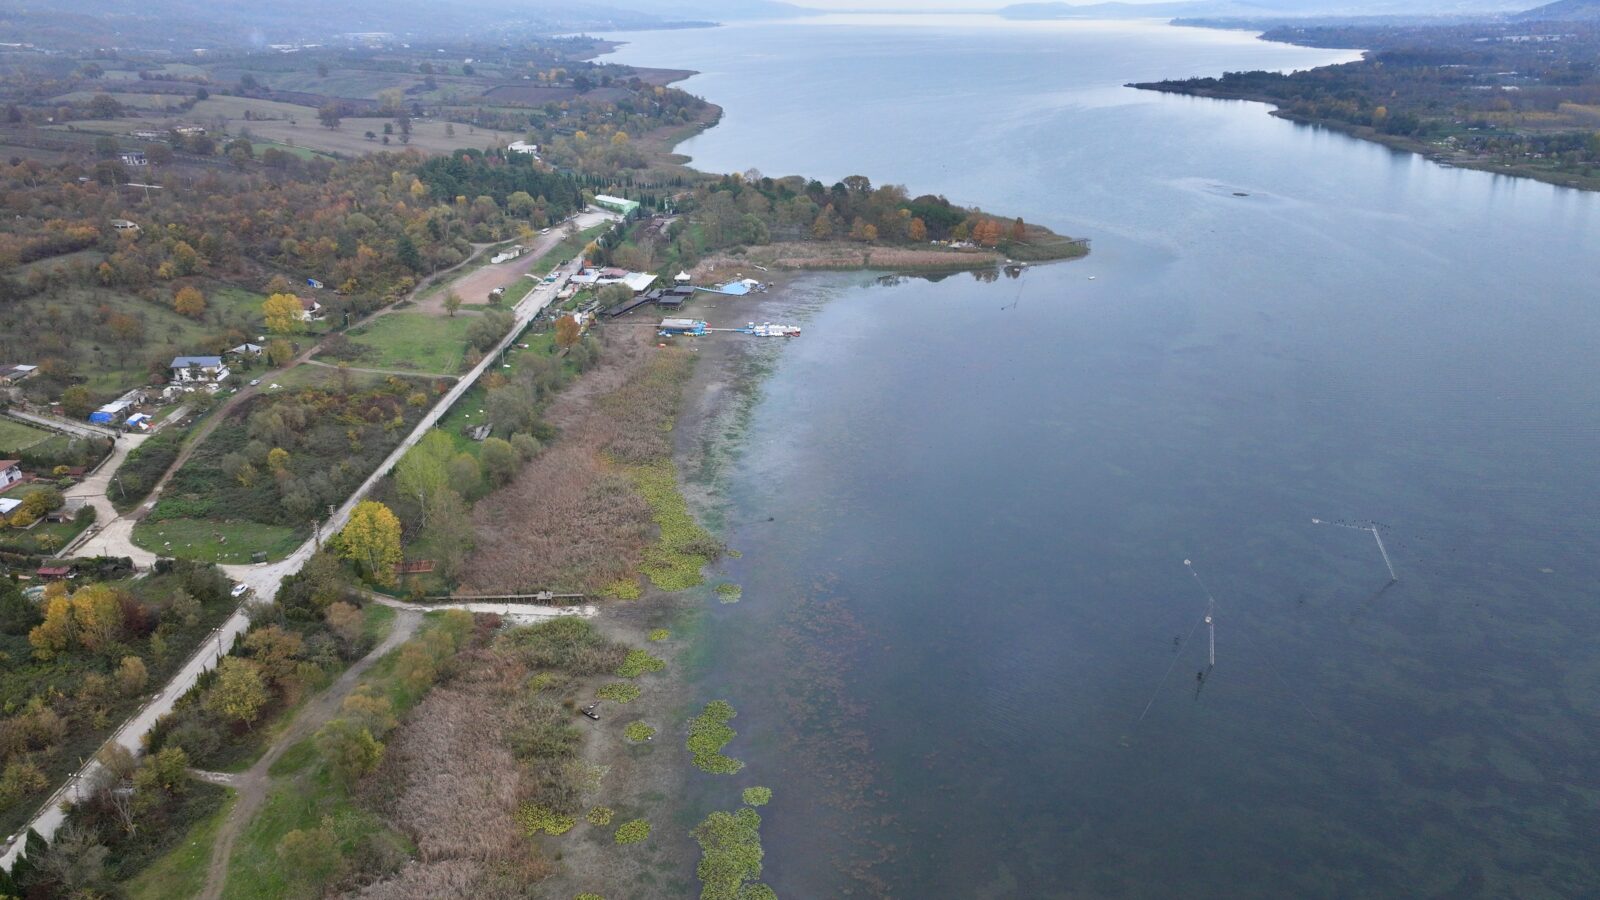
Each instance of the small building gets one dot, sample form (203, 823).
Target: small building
(139, 422)
(68, 511)
(198, 368)
(10, 472)
(8, 506)
(54, 573)
(616, 204)
(310, 310)
(125, 226)
(133, 158)
(15, 373)
(247, 349)
(681, 278)
(669, 300)
(112, 413)
(524, 147)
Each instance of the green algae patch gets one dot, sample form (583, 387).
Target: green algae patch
(619, 691)
(659, 634)
(708, 734)
(682, 547)
(632, 832)
(535, 819)
(639, 663)
(638, 732)
(728, 592)
(757, 796)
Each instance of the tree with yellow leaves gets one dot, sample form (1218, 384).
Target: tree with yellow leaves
(372, 540)
(53, 635)
(97, 617)
(189, 302)
(283, 313)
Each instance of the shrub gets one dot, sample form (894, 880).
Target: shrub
(638, 663)
(619, 691)
(757, 796)
(535, 818)
(659, 634)
(600, 815)
(633, 832)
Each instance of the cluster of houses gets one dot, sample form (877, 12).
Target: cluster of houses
(11, 475)
(638, 282)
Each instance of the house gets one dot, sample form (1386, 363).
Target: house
(198, 368)
(125, 226)
(310, 309)
(7, 507)
(189, 130)
(15, 373)
(10, 472)
(639, 282)
(524, 147)
(133, 158)
(247, 349)
(115, 411)
(54, 573)
(139, 422)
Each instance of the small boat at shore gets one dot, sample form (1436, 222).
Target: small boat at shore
(767, 329)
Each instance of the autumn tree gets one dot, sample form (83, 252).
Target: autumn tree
(132, 675)
(54, 635)
(239, 692)
(189, 302)
(1019, 231)
(283, 313)
(280, 352)
(372, 540)
(917, 231)
(97, 617)
(567, 332)
(349, 749)
(452, 302)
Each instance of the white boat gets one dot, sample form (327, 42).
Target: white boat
(767, 329)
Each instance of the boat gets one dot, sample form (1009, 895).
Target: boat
(767, 329)
(589, 711)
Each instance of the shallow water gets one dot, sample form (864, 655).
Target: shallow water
(963, 506)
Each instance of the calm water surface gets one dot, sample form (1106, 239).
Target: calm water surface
(964, 506)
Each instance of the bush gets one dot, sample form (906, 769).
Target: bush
(633, 832)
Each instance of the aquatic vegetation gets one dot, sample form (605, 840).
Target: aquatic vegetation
(638, 663)
(535, 818)
(729, 592)
(588, 897)
(659, 634)
(757, 796)
(730, 856)
(620, 691)
(683, 548)
(708, 734)
(600, 815)
(623, 589)
(632, 832)
(638, 732)
(541, 681)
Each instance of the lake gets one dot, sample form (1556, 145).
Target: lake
(967, 654)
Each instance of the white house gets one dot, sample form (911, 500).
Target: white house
(198, 368)
(7, 507)
(310, 309)
(10, 472)
(523, 147)
(247, 349)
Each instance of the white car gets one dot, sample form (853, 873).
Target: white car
(255, 382)
(239, 590)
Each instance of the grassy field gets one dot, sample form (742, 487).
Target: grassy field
(182, 872)
(44, 537)
(413, 341)
(427, 135)
(198, 539)
(15, 436)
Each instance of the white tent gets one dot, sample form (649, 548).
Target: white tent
(681, 278)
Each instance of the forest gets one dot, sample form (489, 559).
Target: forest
(1525, 96)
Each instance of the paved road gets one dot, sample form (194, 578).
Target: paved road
(265, 578)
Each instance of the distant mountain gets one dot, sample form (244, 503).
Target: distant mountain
(1563, 11)
(1257, 9)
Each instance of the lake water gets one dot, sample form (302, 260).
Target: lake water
(964, 506)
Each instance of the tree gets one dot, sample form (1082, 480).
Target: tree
(283, 313)
(452, 302)
(239, 692)
(18, 614)
(189, 302)
(75, 402)
(280, 352)
(132, 675)
(500, 460)
(1019, 231)
(424, 471)
(97, 617)
(278, 461)
(311, 855)
(53, 635)
(349, 749)
(345, 621)
(567, 332)
(466, 476)
(917, 231)
(275, 652)
(372, 540)
(328, 115)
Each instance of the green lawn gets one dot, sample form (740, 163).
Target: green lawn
(414, 341)
(15, 436)
(198, 539)
(45, 537)
(182, 871)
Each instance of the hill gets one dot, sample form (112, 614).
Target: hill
(1562, 11)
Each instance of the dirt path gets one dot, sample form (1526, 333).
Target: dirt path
(253, 785)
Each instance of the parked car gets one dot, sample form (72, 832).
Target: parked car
(254, 382)
(239, 590)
